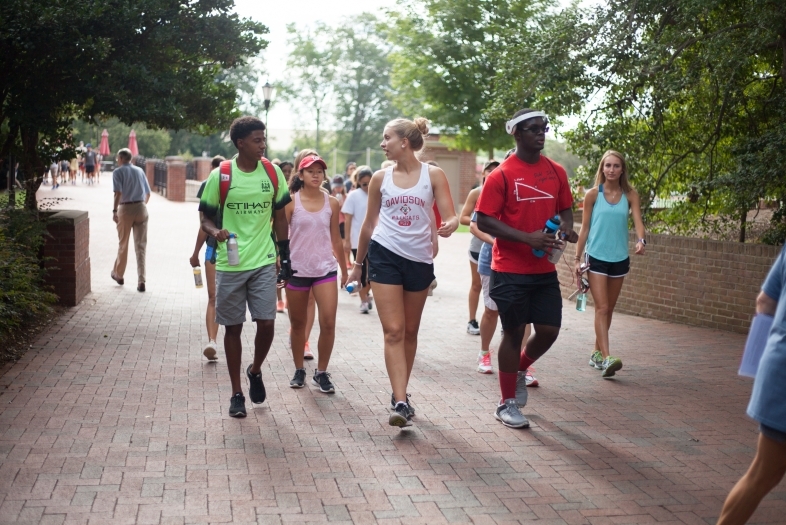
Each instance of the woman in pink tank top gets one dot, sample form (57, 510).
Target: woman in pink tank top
(315, 245)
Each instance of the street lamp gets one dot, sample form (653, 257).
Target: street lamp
(267, 92)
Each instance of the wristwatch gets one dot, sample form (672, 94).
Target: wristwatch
(643, 241)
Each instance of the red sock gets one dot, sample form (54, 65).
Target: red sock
(524, 361)
(507, 384)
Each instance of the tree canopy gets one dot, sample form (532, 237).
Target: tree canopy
(155, 61)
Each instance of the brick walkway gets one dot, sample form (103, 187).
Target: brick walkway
(113, 416)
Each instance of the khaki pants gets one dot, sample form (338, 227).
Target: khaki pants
(131, 217)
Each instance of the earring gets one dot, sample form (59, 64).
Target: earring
(403, 146)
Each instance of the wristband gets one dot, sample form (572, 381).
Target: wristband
(358, 264)
(643, 241)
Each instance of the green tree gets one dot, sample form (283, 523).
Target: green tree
(446, 62)
(310, 69)
(692, 91)
(151, 61)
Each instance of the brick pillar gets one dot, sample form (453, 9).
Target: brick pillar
(150, 172)
(203, 168)
(176, 180)
(67, 255)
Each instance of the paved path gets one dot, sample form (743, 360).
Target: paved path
(113, 416)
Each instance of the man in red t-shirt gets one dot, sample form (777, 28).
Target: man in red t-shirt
(518, 198)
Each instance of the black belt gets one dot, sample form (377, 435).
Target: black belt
(132, 202)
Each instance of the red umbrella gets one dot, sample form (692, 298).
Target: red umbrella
(103, 148)
(132, 143)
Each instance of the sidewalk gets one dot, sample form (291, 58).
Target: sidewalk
(114, 416)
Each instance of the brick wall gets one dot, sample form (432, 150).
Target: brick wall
(203, 168)
(150, 172)
(690, 281)
(466, 165)
(67, 254)
(176, 180)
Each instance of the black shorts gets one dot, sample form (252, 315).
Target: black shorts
(609, 269)
(89, 168)
(363, 268)
(341, 229)
(390, 268)
(524, 299)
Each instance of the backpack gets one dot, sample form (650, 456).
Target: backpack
(225, 181)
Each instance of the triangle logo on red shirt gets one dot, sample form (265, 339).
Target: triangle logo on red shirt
(525, 192)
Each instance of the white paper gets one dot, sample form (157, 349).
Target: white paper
(754, 346)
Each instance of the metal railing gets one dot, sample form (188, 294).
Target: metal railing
(160, 177)
(191, 172)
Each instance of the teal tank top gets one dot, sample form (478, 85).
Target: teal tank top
(608, 235)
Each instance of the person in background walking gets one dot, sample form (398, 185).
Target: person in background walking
(130, 213)
(397, 236)
(54, 173)
(767, 406)
(474, 252)
(286, 169)
(90, 158)
(354, 210)
(313, 218)
(349, 176)
(338, 191)
(73, 170)
(604, 232)
(65, 169)
(210, 274)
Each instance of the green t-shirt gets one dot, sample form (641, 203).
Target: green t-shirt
(248, 211)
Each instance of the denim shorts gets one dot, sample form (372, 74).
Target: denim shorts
(772, 433)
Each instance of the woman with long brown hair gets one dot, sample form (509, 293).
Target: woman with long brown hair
(604, 233)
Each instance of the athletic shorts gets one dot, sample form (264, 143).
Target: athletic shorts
(363, 268)
(523, 299)
(390, 268)
(341, 229)
(304, 284)
(255, 288)
(89, 169)
(474, 256)
(772, 433)
(488, 302)
(615, 269)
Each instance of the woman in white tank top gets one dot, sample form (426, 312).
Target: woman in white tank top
(396, 235)
(315, 244)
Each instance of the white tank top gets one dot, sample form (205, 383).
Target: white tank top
(404, 225)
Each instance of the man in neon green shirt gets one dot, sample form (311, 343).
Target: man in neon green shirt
(250, 204)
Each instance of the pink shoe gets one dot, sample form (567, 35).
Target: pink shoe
(307, 352)
(530, 377)
(484, 363)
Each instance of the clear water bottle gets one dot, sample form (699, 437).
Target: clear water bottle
(351, 286)
(233, 258)
(198, 276)
(552, 225)
(581, 302)
(556, 253)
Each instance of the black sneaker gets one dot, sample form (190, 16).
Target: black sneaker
(409, 404)
(256, 388)
(400, 416)
(237, 406)
(299, 380)
(323, 382)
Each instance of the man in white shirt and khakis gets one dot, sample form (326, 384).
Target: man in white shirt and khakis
(130, 213)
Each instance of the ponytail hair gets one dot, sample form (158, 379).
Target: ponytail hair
(413, 130)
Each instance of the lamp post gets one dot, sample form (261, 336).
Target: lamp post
(267, 92)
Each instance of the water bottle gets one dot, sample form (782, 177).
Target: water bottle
(552, 225)
(233, 259)
(198, 277)
(556, 252)
(351, 286)
(581, 302)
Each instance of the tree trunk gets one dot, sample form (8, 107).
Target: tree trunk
(743, 220)
(31, 165)
(317, 141)
(491, 153)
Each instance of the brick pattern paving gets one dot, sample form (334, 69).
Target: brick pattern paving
(113, 416)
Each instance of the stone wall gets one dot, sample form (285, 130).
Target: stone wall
(690, 281)
(67, 255)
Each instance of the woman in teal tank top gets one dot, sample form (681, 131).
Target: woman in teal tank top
(604, 233)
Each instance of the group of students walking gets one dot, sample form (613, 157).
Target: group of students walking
(287, 234)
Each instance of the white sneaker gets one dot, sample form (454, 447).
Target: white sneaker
(364, 308)
(431, 287)
(484, 363)
(210, 351)
(473, 328)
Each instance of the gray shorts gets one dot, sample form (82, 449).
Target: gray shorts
(234, 290)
